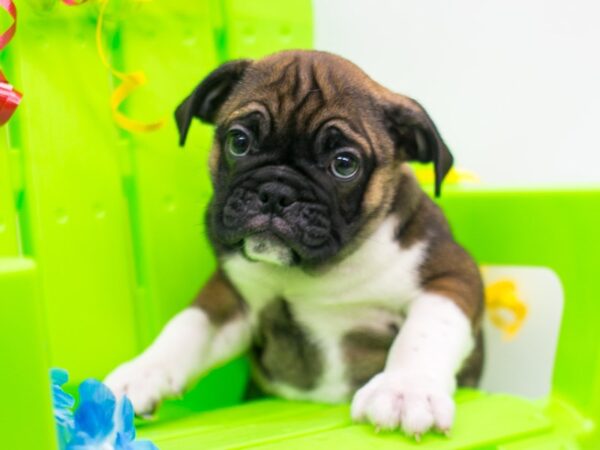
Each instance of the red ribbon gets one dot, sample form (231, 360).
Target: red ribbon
(73, 2)
(9, 98)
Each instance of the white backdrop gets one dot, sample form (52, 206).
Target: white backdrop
(513, 85)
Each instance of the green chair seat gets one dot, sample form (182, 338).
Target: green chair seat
(483, 422)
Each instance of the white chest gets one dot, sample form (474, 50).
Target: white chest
(367, 290)
(380, 272)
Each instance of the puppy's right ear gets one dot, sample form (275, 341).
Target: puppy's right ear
(208, 97)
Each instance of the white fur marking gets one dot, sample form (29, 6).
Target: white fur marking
(267, 249)
(415, 389)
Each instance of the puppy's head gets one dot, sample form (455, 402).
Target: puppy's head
(307, 155)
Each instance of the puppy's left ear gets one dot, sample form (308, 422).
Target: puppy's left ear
(208, 97)
(415, 134)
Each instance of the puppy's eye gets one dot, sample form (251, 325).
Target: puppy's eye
(345, 165)
(237, 142)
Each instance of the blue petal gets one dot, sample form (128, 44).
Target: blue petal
(60, 399)
(63, 434)
(122, 444)
(94, 416)
(79, 438)
(64, 418)
(59, 376)
(142, 445)
(94, 420)
(72, 446)
(124, 419)
(94, 391)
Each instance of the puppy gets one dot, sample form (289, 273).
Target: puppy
(337, 274)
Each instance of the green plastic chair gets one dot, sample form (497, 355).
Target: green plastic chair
(102, 239)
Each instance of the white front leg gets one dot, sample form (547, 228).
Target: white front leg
(188, 346)
(415, 389)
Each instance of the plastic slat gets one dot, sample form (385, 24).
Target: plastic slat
(258, 28)
(278, 424)
(9, 245)
(75, 214)
(26, 420)
(169, 186)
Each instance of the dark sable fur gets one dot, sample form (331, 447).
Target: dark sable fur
(219, 300)
(470, 373)
(282, 351)
(365, 352)
(289, 101)
(447, 270)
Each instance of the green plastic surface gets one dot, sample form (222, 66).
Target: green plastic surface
(556, 229)
(102, 238)
(482, 422)
(25, 408)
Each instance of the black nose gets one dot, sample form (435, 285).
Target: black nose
(276, 196)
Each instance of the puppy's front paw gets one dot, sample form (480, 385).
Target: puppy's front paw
(145, 382)
(416, 402)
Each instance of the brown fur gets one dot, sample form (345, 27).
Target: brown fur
(448, 269)
(219, 300)
(472, 368)
(365, 353)
(283, 351)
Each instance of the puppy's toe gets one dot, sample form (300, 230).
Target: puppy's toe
(417, 417)
(443, 409)
(385, 411)
(411, 401)
(378, 403)
(361, 400)
(144, 383)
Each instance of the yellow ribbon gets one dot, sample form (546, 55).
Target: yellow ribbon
(129, 82)
(456, 175)
(501, 298)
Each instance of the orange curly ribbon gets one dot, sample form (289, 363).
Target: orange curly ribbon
(501, 300)
(9, 97)
(129, 82)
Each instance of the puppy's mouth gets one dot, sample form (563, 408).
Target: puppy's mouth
(268, 248)
(298, 233)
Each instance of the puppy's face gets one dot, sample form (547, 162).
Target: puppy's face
(307, 155)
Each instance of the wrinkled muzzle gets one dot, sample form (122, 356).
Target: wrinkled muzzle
(277, 217)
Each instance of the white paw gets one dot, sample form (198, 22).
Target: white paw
(146, 383)
(415, 402)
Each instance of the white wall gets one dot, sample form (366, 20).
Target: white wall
(513, 85)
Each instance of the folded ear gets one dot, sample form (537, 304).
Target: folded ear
(208, 97)
(415, 134)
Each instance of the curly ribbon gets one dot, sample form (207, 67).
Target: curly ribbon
(501, 298)
(9, 97)
(129, 82)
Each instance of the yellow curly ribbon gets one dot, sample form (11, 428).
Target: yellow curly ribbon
(501, 298)
(129, 82)
(456, 175)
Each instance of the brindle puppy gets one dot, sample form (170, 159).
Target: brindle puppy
(337, 273)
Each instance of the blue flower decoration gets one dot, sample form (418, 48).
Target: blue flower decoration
(101, 422)
(62, 406)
